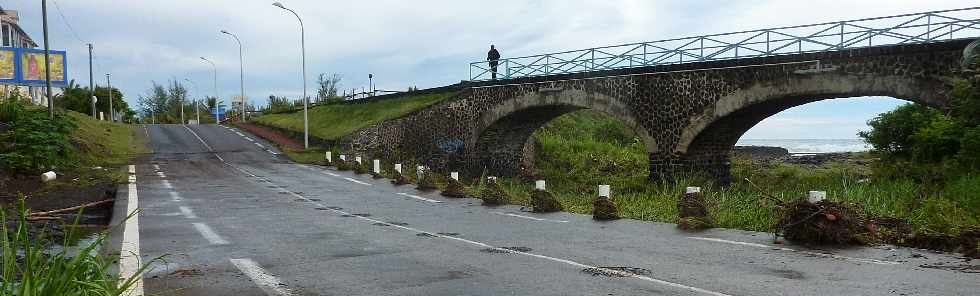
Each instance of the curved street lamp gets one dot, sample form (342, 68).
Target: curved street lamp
(197, 109)
(217, 119)
(306, 118)
(241, 65)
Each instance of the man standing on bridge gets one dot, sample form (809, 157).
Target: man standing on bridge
(493, 56)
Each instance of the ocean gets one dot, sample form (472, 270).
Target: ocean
(808, 146)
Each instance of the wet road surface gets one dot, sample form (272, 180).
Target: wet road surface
(233, 217)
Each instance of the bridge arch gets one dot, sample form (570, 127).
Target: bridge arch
(501, 138)
(706, 142)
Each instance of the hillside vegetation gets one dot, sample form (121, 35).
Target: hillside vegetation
(334, 121)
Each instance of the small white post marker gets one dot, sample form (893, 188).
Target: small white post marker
(398, 168)
(343, 157)
(48, 177)
(329, 156)
(377, 166)
(357, 159)
(692, 190)
(419, 171)
(454, 175)
(816, 196)
(539, 185)
(604, 191)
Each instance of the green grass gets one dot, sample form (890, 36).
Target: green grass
(101, 143)
(581, 150)
(331, 122)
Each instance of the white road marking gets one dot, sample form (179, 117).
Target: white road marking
(199, 139)
(209, 234)
(174, 196)
(187, 212)
(529, 218)
(270, 284)
(419, 197)
(270, 151)
(205, 144)
(331, 174)
(240, 134)
(129, 253)
(484, 245)
(818, 254)
(249, 139)
(155, 167)
(260, 145)
(161, 175)
(166, 184)
(358, 182)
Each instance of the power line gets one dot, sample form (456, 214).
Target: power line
(65, 21)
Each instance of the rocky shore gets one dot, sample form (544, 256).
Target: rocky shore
(778, 154)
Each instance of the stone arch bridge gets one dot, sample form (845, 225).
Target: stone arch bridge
(688, 115)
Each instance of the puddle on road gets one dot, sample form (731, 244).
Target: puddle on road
(425, 234)
(787, 274)
(964, 268)
(398, 223)
(347, 216)
(363, 215)
(322, 209)
(312, 199)
(616, 271)
(301, 200)
(505, 250)
(381, 224)
(449, 233)
(335, 208)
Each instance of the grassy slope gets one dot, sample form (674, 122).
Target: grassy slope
(100, 144)
(334, 121)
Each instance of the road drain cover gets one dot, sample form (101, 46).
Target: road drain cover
(616, 271)
(449, 233)
(314, 199)
(363, 215)
(398, 223)
(322, 209)
(347, 216)
(425, 234)
(283, 192)
(380, 224)
(272, 186)
(504, 250)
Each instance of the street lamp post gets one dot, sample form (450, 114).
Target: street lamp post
(214, 69)
(47, 63)
(241, 65)
(109, 85)
(91, 82)
(302, 38)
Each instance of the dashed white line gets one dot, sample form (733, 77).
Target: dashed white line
(187, 212)
(358, 182)
(161, 175)
(529, 217)
(418, 197)
(199, 139)
(812, 253)
(129, 253)
(209, 234)
(156, 167)
(483, 245)
(268, 283)
(174, 196)
(249, 139)
(166, 184)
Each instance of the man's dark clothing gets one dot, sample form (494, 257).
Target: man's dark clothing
(493, 56)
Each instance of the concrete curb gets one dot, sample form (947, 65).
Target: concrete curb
(112, 245)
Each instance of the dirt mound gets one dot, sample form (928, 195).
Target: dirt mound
(692, 210)
(454, 189)
(603, 208)
(400, 179)
(824, 222)
(493, 194)
(543, 201)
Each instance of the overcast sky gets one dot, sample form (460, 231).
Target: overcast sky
(413, 43)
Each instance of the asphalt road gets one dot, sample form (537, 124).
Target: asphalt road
(232, 217)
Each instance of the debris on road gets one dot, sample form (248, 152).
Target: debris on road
(616, 271)
(543, 201)
(603, 208)
(454, 189)
(824, 222)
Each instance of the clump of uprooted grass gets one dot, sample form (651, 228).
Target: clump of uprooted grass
(29, 269)
(825, 222)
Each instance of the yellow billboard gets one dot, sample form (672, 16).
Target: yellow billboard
(32, 66)
(7, 64)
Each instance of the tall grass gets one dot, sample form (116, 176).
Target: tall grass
(29, 268)
(579, 151)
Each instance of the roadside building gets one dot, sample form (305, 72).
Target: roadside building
(14, 36)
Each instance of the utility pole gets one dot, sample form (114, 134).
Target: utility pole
(109, 85)
(47, 64)
(91, 80)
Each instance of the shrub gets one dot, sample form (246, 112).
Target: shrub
(33, 143)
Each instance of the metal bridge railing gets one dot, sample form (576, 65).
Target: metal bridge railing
(891, 30)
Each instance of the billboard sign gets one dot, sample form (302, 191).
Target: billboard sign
(25, 66)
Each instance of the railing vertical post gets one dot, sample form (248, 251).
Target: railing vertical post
(929, 26)
(471, 73)
(507, 68)
(768, 51)
(547, 62)
(702, 49)
(841, 45)
(592, 60)
(645, 62)
(799, 45)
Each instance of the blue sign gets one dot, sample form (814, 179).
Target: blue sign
(220, 112)
(25, 66)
